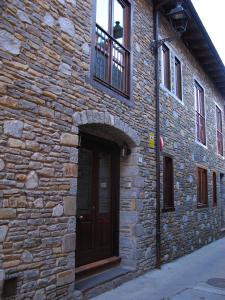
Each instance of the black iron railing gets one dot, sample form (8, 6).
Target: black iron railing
(112, 62)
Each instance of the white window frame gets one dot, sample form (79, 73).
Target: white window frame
(198, 81)
(162, 67)
(220, 108)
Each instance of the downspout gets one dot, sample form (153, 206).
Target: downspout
(157, 139)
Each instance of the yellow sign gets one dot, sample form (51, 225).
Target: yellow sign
(152, 140)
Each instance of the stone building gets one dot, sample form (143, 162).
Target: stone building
(78, 160)
(191, 120)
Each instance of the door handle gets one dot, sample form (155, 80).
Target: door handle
(80, 217)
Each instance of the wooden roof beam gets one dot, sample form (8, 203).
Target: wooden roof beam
(161, 3)
(216, 73)
(197, 45)
(218, 82)
(222, 84)
(202, 53)
(206, 60)
(191, 35)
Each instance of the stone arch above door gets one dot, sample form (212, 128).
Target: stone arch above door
(92, 117)
(106, 126)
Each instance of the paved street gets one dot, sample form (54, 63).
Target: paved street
(198, 276)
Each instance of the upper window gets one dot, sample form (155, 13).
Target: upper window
(112, 45)
(202, 187)
(219, 130)
(200, 113)
(168, 185)
(178, 78)
(166, 66)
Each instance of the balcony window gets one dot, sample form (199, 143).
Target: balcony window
(112, 45)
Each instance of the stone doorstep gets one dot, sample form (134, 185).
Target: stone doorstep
(86, 285)
(96, 267)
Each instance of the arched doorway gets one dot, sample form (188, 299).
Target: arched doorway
(97, 200)
(99, 228)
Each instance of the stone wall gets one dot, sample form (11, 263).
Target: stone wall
(45, 50)
(46, 98)
(188, 227)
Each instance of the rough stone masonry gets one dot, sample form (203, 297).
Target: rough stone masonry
(45, 100)
(45, 50)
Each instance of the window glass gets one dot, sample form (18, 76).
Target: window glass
(200, 114)
(178, 85)
(219, 119)
(102, 14)
(219, 131)
(118, 22)
(166, 66)
(104, 183)
(201, 99)
(112, 54)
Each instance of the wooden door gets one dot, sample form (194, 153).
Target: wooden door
(97, 201)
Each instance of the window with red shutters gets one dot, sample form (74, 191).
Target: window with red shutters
(219, 131)
(200, 114)
(166, 67)
(214, 189)
(202, 187)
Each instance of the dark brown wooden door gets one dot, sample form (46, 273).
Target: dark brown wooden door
(97, 201)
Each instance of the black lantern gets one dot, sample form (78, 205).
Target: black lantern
(178, 18)
(117, 31)
(125, 151)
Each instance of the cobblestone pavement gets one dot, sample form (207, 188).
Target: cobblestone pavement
(197, 276)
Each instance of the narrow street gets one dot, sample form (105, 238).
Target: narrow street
(197, 276)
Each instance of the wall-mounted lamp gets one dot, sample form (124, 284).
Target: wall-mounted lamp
(125, 151)
(178, 18)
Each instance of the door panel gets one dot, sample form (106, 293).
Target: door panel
(85, 181)
(96, 201)
(84, 207)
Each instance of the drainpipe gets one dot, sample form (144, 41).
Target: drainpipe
(157, 133)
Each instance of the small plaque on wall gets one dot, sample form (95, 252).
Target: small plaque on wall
(152, 140)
